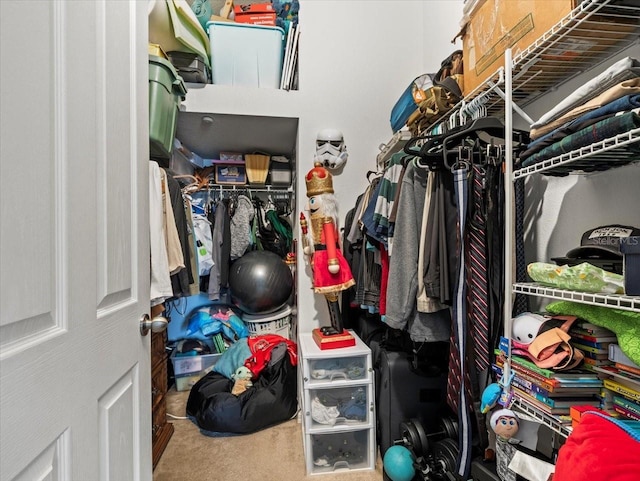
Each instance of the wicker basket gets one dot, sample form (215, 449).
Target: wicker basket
(257, 168)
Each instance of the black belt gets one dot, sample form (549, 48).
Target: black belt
(322, 247)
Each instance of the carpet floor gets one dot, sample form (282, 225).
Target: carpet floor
(273, 454)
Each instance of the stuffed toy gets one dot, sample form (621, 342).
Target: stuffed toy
(242, 378)
(504, 423)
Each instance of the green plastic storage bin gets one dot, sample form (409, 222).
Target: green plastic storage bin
(166, 92)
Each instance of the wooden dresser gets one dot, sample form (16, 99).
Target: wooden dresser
(161, 430)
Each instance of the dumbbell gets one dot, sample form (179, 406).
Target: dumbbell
(414, 435)
(445, 457)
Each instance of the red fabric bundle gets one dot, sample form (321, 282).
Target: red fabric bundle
(598, 450)
(261, 347)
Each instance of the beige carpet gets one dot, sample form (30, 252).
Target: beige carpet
(273, 454)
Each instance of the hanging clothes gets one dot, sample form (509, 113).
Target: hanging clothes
(160, 278)
(183, 277)
(459, 395)
(241, 227)
(402, 282)
(174, 249)
(217, 238)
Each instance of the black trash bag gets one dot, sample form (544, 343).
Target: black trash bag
(272, 399)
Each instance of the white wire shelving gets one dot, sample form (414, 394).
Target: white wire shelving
(602, 155)
(552, 422)
(395, 144)
(614, 301)
(584, 38)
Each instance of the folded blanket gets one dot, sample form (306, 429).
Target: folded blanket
(604, 129)
(623, 104)
(627, 87)
(590, 89)
(625, 324)
(600, 448)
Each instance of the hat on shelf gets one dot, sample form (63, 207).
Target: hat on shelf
(600, 247)
(603, 242)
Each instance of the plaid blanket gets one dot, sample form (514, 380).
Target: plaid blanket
(599, 131)
(618, 106)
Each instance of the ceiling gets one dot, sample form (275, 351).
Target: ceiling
(208, 134)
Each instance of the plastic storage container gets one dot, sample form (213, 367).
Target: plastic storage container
(166, 92)
(630, 249)
(278, 322)
(280, 171)
(191, 67)
(246, 55)
(189, 369)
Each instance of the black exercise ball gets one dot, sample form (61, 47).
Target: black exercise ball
(260, 282)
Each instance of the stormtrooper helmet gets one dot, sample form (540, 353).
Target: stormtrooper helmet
(330, 149)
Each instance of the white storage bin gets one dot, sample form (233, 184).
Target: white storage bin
(352, 368)
(278, 322)
(331, 452)
(245, 54)
(346, 408)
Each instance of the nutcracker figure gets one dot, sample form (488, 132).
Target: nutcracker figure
(321, 244)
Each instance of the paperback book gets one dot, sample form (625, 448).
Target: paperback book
(545, 408)
(556, 402)
(627, 404)
(626, 390)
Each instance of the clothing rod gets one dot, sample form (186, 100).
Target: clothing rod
(244, 188)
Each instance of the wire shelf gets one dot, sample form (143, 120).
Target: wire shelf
(603, 155)
(396, 144)
(617, 301)
(550, 421)
(585, 37)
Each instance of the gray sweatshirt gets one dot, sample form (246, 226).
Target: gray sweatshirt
(403, 266)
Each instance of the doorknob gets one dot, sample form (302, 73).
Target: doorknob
(157, 324)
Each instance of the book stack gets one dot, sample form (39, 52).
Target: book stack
(551, 392)
(623, 387)
(594, 342)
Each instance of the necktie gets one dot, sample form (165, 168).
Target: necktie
(458, 381)
(520, 303)
(477, 280)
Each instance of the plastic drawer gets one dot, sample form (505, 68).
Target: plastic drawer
(331, 452)
(342, 408)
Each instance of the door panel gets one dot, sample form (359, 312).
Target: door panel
(74, 278)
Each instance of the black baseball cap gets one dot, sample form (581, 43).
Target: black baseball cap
(602, 242)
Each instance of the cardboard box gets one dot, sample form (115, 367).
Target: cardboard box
(231, 156)
(256, 13)
(500, 24)
(230, 172)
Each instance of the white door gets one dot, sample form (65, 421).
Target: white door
(74, 257)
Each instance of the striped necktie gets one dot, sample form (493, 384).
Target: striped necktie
(477, 279)
(458, 383)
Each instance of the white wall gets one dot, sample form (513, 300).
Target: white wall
(356, 58)
(559, 210)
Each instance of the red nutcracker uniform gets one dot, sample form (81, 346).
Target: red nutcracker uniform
(331, 272)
